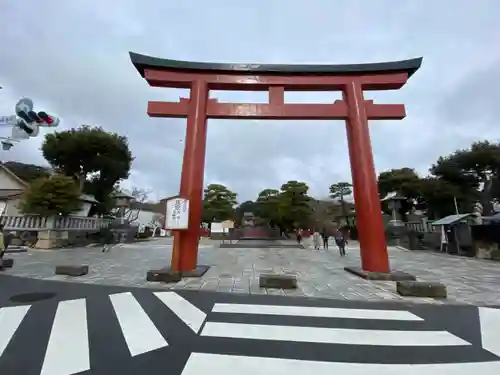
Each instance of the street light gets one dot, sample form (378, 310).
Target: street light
(7, 143)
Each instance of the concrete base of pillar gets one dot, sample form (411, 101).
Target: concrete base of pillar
(165, 275)
(199, 271)
(381, 276)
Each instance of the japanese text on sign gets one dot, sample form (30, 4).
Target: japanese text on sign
(177, 214)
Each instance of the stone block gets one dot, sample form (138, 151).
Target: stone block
(421, 289)
(8, 262)
(380, 276)
(72, 270)
(165, 275)
(17, 242)
(15, 249)
(278, 281)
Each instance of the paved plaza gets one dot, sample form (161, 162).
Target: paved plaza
(320, 274)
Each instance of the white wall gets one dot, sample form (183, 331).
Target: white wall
(84, 209)
(145, 218)
(9, 183)
(12, 207)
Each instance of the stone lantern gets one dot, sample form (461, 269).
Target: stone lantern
(122, 201)
(394, 201)
(395, 227)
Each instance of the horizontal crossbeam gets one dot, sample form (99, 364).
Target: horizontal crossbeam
(162, 78)
(334, 111)
(178, 109)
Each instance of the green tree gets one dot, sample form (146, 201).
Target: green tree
(405, 182)
(468, 168)
(267, 206)
(325, 212)
(433, 194)
(98, 160)
(295, 208)
(218, 203)
(339, 191)
(247, 206)
(48, 196)
(437, 196)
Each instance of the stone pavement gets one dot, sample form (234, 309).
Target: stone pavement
(319, 273)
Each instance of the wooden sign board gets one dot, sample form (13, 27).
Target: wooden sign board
(228, 224)
(177, 214)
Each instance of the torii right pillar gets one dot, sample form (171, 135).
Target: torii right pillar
(369, 222)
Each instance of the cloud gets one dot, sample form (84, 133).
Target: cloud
(72, 59)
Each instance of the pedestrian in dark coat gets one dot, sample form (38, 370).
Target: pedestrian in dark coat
(107, 239)
(340, 241)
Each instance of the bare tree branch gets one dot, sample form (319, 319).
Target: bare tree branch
(139, 197)
(157, 219)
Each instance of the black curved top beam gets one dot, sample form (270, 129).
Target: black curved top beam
(142, 62)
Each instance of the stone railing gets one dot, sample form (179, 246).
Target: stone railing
(421, 226)
(62, 223)
(25, 222)
(80, 223)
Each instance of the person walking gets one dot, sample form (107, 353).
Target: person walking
(341, 241)
(324, 237)
(108, 239)
(316, 239)
(299, 236)
(2, 246)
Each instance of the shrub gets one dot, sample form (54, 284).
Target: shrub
(48, 196)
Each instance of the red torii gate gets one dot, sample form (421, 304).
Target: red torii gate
(352, 80)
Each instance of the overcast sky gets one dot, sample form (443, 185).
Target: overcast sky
(71, 58)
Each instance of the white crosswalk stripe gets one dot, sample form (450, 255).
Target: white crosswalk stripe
(326, 335)
(331, 335)
(10, 319)
(186, 311)
(140, 333)
(68, 347)
(229, 364)
(490, 329)
(318, 312)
